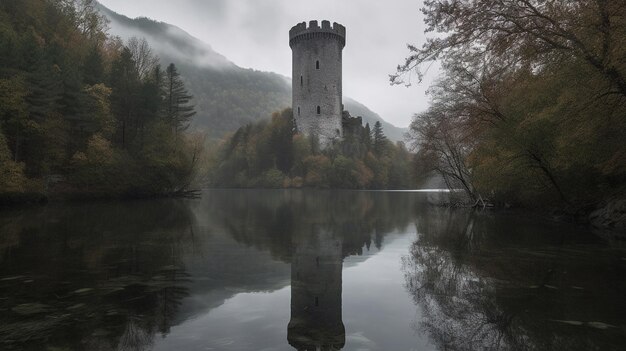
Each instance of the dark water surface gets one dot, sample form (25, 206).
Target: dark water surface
(310, 270)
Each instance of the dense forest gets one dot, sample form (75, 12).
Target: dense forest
(531, 108)
(85, 114)
(273, 155)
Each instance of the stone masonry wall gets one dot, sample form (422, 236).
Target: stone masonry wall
(315, 85)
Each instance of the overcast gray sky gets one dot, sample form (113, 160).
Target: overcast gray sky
(254, 34)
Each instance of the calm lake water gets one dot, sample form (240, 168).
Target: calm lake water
(306, 270)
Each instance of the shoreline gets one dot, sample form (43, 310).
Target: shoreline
(605, 220)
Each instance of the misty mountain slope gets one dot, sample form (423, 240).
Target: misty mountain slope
(169, 41)
(358, 109)
(226, 95)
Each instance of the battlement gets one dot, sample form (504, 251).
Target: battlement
(302, 32)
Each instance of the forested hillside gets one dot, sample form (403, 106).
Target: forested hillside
(226, 96)
(532, 105)
(82, 113)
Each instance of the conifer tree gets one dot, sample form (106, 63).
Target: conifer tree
(380, 140)
(124, 82)
(178, 110)
(93, 67)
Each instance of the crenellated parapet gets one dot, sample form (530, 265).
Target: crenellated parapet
(301, 32)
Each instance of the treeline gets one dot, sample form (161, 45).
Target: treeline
(272, 155)
(84, 113)
(531, 108)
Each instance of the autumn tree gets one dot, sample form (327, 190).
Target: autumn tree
(535, 88)
(12, 177)
(507, 34)
(443, 146)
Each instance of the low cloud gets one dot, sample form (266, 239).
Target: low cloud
(254, 34)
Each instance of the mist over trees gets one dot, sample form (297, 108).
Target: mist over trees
(531, 105)
(85, 113)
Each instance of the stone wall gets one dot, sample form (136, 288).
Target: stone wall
(317, 79)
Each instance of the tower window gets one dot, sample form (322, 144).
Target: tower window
(317, 64)
(319, 110)
(298, 110)
(301, 81)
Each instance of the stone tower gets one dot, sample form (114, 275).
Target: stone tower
(316, 71)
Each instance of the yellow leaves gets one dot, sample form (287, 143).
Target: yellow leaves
(79, 158)
(100, 107)
(100, 93)
(99, 149)
(614, 165)
(363, 174)
(12, 177)
(272, 179)
(99, 153)
(295, 182)
(12, 97)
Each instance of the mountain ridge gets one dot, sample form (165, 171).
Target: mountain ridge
(227, 96)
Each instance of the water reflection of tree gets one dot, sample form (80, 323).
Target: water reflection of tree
(268, 219)
(455, 301)
(105, 276)
(487, 282)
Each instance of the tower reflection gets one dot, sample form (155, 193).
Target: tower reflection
(316, 318)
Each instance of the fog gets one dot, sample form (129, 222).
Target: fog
(180, 50)
(254, 34)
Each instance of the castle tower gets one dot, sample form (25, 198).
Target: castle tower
(316, 268)
(316, 74)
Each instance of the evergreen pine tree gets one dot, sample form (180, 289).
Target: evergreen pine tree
(151, 101)
(93, 67)
(178, 110)
(125, 85)
(380, 140)
(45, 90)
